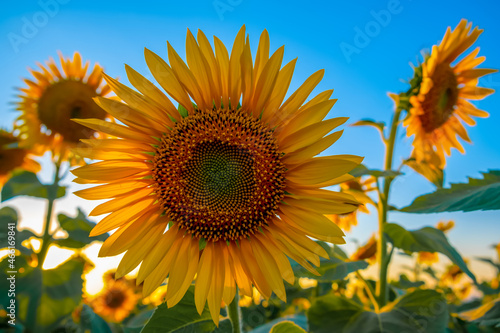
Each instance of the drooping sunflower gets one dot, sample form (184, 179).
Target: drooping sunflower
(53, 98)
(442, 102)
(429, 258)
(367, 251)
(12, 157)
(116, 301)
(232, 170)
(358, 189)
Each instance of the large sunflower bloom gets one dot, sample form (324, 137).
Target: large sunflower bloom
(442, 104)
(53, 98)
(239, 184)
(358, 189)
(12, 157)
(116, 301)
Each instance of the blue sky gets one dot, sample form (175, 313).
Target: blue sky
(116, 32)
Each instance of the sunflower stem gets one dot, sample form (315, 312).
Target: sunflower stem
(383, 205)
(51, 197)
(234, 313)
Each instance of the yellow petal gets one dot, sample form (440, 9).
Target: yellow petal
(322, 206)
(137, 253)
(234, 82)
(200, 69)
(204, 278)
(111, 190)
(186, 77)
(262, 53)
(128, 235)
(282, 261)
(303, 154)
(165, 76)
(110, 170)
(158, 253)
(267, 81)
(309, 134)
(293, 103)
(115, 130)
(322, 169)
(122, 202)
(121, 217)
(158, 275)
(309, 116)
(151, 91)
(267, 264)
(181, 279)
(316, 223)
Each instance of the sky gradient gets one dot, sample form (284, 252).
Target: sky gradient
(364, 46)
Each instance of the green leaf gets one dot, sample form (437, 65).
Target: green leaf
(419, 311)
(335, 268)
(287, 327)
(182, 316)
(8, 223)
(78, 229)
(47, 295)
(299, 322)
(379, 125)
(405, 283)
(362, 170)
(137, 322)
(27, 183)
(91, 321)
(486, 315)
(429, 170)
(477, 194)
(427, 239)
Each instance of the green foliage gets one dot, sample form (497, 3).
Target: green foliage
(27, 183)
(287, 327)
(427, 239)
(419, 311)
(47, 295)
(78, 229)
(477, 194)
(184, 318)
(362, 170)
(405, 283)
(8, 222)
(91, 321)
(295, 324)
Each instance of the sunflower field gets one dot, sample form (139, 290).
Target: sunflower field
(220, 184)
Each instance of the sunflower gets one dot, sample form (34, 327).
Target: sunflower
(12, 157)
(437, 111)
(238, 183)
(367, 252)
(53, 98)
(429, 258)
(116, 301)
(358, 189)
